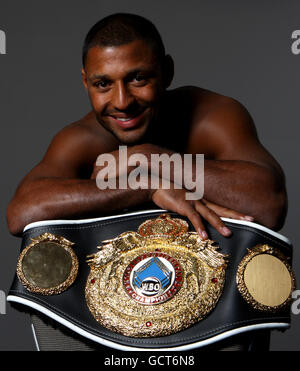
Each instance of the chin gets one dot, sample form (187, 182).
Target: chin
(128, 137)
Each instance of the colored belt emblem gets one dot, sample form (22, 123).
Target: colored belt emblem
(153, 278)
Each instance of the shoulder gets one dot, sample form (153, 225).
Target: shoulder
(84, 135)
(209, 107)
(84, 132)
(218, 121)
(216, 112)
(75, 148)
(206, 102)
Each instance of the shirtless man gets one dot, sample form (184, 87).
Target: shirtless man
(126, 74)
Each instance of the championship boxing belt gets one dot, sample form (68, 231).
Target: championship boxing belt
(146, 280)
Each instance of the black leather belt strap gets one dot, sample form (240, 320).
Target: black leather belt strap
(232, 314)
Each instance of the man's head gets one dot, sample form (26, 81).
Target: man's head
(125, 71)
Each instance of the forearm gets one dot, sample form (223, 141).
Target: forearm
(58, 198)
(247, 187)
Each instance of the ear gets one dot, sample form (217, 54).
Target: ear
(168, 72)
(84, 78)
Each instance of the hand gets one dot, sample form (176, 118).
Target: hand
(226, 212)
(174, 200)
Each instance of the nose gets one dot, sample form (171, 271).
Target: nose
(121, 98)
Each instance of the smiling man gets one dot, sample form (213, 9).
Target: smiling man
(124, 85)
(127, 73)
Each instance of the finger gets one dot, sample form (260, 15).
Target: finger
(189, 211)
(213, 219)
(226, 212)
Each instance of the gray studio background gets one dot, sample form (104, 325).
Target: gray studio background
(239, 49)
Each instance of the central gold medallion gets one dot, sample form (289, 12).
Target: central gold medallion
(152, 278)
(154, 282)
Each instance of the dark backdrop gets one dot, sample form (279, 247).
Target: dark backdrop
(239, 49)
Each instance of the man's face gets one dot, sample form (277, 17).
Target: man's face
(125, 85)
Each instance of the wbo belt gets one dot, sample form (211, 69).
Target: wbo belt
(146, 280)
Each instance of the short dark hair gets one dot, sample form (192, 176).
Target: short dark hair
(123, 28)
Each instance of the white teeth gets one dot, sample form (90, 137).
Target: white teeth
(123, 119)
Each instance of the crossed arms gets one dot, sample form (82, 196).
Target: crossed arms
(241, 179)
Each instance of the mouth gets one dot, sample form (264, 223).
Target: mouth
(128, 121)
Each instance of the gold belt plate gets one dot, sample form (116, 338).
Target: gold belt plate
(154, 282)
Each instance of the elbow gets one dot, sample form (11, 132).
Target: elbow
(275, 211)
(14, 221)
(272, 203)
(18, 215)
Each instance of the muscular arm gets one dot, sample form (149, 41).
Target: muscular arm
(239, 175)
(238, 171)
(58, 188)
(249, 188)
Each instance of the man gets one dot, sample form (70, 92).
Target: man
(126, 74)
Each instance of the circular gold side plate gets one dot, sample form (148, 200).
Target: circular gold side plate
(48, 265)
(265, 279)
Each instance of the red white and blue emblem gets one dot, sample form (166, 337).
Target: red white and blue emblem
(152, 278)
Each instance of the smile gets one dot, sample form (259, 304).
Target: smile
(124, 119)
(128, 122)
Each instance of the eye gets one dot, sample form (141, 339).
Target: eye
(139, 77)
(101, 84)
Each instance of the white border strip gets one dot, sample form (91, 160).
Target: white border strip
(260, 227)
(43, 223)
(84, 221)
(35, 338)
(111, 344)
